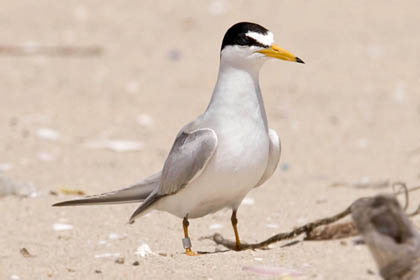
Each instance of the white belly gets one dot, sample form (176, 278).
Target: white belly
(236, 167)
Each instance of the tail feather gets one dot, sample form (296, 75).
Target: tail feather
(135, 193)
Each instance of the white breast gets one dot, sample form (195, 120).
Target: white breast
(236, 113)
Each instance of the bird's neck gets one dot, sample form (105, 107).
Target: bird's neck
(237, 92)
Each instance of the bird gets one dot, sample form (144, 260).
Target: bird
(225, 152)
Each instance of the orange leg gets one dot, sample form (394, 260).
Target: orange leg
(235, 229)
(187, 241)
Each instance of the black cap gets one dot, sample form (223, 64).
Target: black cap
(236, 35)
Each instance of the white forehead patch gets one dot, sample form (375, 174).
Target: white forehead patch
(267, 39)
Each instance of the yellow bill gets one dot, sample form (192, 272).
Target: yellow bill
(280, 53)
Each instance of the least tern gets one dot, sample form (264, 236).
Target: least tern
(223, 154)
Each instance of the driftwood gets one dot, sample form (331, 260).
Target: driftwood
(322, 229)
(390, 236)
(305, 229)
(383, 223)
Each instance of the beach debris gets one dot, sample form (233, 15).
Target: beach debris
(116, 145)
(119, 260)
(115, 236)
(25, 253)
(62, 227)
(143, 250)
(48, 134)
(391, 237)
(283, 272)
(67, 191)
(112, 256)
(215, 226)
(334, 231)
(308, 228)
(248, 201)
(54, 193)
(136, 263)
(9, 187)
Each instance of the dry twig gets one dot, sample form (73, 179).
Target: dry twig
(313, 230)
(307, 229)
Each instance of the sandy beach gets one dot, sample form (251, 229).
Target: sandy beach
(98, 121)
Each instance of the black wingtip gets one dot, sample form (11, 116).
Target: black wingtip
(68, 203)
(59, 204)
(298, 60)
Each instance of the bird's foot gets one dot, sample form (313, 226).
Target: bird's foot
(191, 253)
(237, 247)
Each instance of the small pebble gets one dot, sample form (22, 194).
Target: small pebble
(370, 272)
(61, 227)
(24, 252)
(143, 250)
(135, 263)
(120, 260)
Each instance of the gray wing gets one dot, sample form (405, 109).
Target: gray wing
(273, 156)
(135, 193)
(188, 157)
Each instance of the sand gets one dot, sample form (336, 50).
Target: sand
(350, 115)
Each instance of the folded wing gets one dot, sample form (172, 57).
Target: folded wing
(188, 157)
